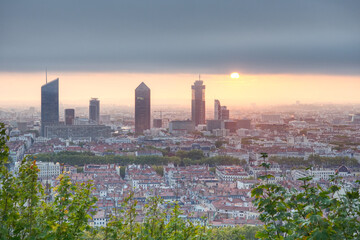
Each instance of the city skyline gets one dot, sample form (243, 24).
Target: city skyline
(234, 93)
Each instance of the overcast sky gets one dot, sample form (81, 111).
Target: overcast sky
(183, 36)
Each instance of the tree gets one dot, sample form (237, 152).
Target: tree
(218, 143)
(309, 213)
(159, 170)
(25, 209)
(193, 154)
(234, 233)
(155, 224)
(122, 171)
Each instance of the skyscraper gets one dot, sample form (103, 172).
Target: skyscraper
(217, 110)
(198, 103)
(49, 104)
(94, 111)
(142, 108)
(220, 112)
(225, 113)
(69, 116)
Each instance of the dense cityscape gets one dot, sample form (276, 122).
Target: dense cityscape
(207, 165)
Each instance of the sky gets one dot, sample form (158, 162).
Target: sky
(284, 50)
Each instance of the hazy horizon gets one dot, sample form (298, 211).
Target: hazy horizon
(175, 89)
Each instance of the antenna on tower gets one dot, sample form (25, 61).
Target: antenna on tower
(46, 74)
(199, 77)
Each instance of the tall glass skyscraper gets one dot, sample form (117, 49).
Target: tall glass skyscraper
(198, 103)
(94, 111)
(142, 108)
(49, 104)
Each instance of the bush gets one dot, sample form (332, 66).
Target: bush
(309, 213)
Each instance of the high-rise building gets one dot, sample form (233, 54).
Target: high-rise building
(225, 113)
(49, 104)
(94, 111)
(220, 112)
(142, 108)
(198, 103)
(69, 116)
(217, 110)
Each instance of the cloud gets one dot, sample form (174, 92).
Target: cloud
(207, 36)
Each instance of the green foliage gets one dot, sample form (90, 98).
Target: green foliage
(235, 233)
(165, 152)
(219, 143)
(68, 214)
(309, 213)
(193, 154)
(157, 224)
(122, 171)
(26, 213)
(4, 150)
(193, 157)
(159, 170)
(246, 141)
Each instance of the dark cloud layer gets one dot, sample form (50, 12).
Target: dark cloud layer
(208, 36)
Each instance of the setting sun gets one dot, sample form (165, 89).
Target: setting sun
(234, 75)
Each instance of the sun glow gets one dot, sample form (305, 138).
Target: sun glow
(234, 75)
(116, 88)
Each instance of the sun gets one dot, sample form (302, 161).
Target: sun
(235, 75)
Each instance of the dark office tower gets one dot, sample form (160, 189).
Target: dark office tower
(142, 108)
(217, 110)
(49, 104)
(198, 103)
(69, 116)
(94, 111)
